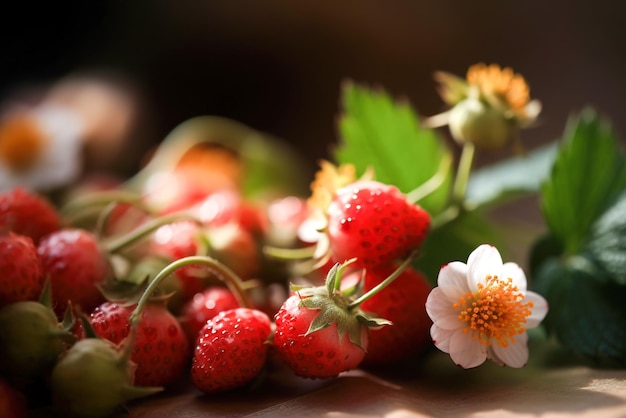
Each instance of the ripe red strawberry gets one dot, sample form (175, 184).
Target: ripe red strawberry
(321, 331)
(231, 350)
(175, 241)
(205, 306)
(21, 276)
(76, 265)
(161, 350)
(403, 303)
(323, 353)
(375, 223)
(27, 213)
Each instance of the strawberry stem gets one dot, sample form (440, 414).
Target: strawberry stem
(463, 173)
(432, 184)
(99, 199)
(289, 254)
(407, 262)
(140, 232)
(225, 274)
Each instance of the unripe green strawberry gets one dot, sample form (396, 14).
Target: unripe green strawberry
(487, 127)
(31, 340)
(93, 379)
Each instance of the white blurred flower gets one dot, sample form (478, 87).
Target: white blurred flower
(40, 147)
(481, 310)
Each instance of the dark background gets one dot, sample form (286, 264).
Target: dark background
(277, 66)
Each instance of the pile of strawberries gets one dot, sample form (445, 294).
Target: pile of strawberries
(110, 297)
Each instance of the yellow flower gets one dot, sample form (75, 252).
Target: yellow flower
(328, 180)
(488, 107)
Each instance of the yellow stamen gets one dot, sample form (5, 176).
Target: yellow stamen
(501, 82)
(328, 180)
(495, 312)
(21, 142)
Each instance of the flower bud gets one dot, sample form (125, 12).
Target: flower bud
(475, 121)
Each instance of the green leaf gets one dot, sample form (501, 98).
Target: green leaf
(383, 134)
(589, 171)
(497, 183)
(454, 241)
(586, 316)
(607, 245)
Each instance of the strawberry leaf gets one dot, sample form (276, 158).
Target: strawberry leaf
(586, 315)
(607, 245)
(588, 173)
(380, 133)
(503, 181)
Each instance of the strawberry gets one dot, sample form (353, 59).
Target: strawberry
(76, 265)
(403, 303)
(161, 349)
(31, 339)
(231, 350)
(320, 331)
(374, 223)
(21, 275)
(173, 242)
(203, 307)
(94, 378)
(27, 213)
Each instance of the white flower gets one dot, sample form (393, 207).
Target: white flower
(481, 310)
(40, 147)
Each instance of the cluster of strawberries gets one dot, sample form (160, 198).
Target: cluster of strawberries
(104, 303)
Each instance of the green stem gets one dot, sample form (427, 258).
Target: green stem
(140, 232)
(225, 274)
(433, 183)
(393, 276)
(287, 254)
(98, 199)
(463, 173)
(448, 215)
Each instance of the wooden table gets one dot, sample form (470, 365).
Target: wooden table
(553, 384)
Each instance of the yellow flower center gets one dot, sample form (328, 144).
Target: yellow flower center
(502, 83)
(495, 312)
(21, 142)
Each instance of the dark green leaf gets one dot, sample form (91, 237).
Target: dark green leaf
(385, 135)
(607, 245)
(587, 316)
(588, 173)
(454, 241)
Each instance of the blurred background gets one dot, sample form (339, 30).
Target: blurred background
(277, 66)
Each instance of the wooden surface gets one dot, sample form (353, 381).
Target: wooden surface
(552, 385)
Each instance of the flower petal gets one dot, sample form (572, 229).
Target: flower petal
(515, 354)
(465, 351)
(440, 310)
(441, 337)
(452, 280)
(539, 310)
(515, 272)
(483, 261)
